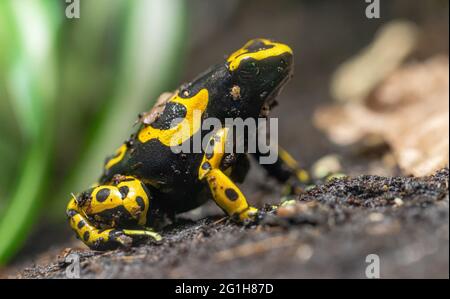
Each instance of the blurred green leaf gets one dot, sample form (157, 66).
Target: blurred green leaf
(30, 82)
(9, 139)
(88, 64)
(112, 65)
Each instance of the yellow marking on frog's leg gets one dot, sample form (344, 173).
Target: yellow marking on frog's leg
(97, 216)
(129, 194)
(118, 156)
(178, 134)
(273, 49)
(225, 193)
(301, 174)
(214, 152)
(228, 196)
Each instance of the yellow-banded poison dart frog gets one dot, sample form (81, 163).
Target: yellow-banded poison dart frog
(146, 175)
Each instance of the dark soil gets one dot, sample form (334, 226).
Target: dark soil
(327, 232)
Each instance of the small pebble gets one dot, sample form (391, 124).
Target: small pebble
(398, 202)
(376, 217)
(304, 252)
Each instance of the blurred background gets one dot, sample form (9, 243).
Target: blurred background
(71, 89)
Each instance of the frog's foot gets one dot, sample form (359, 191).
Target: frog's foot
(228, 196)
(225, 193)
(106, 239)
(93, 237)
(299, 179)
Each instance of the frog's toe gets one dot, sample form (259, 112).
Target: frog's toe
(248, 215)
(122, 239)
(144, 233)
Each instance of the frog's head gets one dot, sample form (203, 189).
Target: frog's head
(247, 83)
(259, 70)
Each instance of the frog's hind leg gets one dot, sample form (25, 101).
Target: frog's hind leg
(105, 217)
(225, 193)
(93, 237)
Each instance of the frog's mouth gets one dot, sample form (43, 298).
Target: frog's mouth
(271, 99)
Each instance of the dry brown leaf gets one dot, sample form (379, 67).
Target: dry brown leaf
(356, 78)
(147, 118)
(409, 110)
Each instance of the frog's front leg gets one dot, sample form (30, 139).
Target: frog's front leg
(109, 216)
(225, 193)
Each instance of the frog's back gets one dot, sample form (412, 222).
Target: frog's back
(149, 154)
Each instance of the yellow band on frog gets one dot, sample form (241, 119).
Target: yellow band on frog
(274, 49)
(186, 128)
(120, 153)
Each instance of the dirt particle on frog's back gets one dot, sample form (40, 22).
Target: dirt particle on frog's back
(236, 92)
(149, 117)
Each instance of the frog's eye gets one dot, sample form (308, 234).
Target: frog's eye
(251, 66)
(248, 70)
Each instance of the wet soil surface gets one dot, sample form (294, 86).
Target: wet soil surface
(327, 232)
